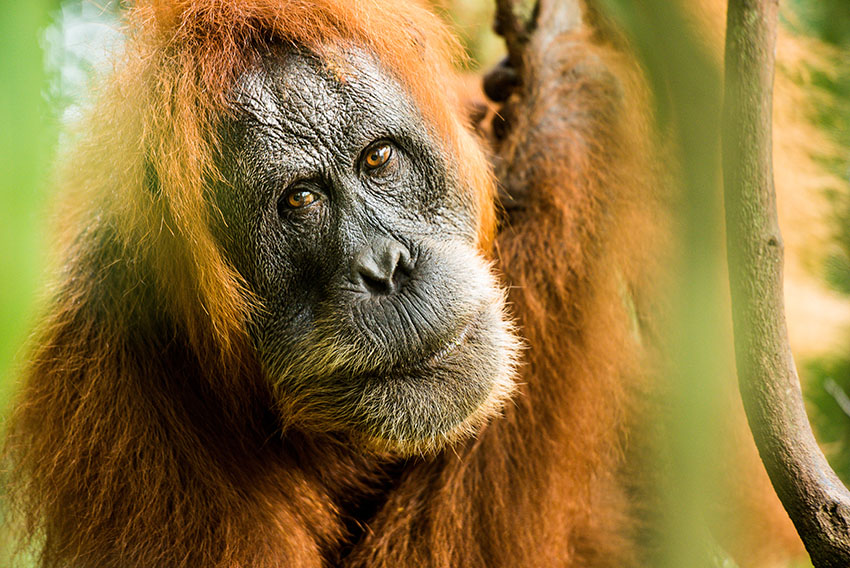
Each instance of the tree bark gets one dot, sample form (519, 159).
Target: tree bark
(816, 500)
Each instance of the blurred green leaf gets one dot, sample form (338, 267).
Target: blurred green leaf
(25, 143)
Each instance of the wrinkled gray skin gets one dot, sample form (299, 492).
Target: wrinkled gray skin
(380, 318)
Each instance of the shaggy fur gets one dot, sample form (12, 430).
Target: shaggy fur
(145, 433)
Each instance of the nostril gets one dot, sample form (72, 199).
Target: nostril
(401, 275)
(382, 267)
(375, 286)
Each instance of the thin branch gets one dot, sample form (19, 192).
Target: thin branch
(510, 25)
(817, 502)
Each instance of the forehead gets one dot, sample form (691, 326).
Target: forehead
(307, 96)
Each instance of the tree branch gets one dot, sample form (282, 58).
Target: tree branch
(510, 26)
(817, 502)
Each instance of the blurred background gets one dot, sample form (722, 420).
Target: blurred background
(52, 50)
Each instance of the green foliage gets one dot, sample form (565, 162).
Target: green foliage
(828, 396)
(828, 380)
(25, 143)
(828, 19)
(837, 272)
(473, 22)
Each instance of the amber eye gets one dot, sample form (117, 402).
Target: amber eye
(300, 198)
(377, 156)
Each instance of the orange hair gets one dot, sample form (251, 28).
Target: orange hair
(103, 459)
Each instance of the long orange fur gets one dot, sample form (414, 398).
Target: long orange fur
(141, 436)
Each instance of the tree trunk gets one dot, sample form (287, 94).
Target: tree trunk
(817, 502)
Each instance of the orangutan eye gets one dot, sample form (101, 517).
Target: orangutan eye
(377, 155)
(300, 198)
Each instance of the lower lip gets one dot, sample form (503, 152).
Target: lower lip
(443, 352)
